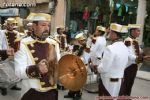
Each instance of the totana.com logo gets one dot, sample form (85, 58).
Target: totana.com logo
(19, 4)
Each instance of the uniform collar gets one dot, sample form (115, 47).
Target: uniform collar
(36, 37)
(132, 37)
(7, 31)
(117, 40)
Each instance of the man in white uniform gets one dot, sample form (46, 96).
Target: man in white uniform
(62, 38)
(135, 57)
(36, 61)
(99, 46)
(113, 63)
(8, 42)
(9, 35)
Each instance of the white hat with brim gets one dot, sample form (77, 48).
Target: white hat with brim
(101, 28)
(39, 17)
(60, 26)
(80, 36)
(11, 20)
(134, 26)
(29, 24)
(124, 29)
(116, 27)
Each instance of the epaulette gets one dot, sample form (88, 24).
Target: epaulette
(20, 38)
(16, 32)
(128, 41)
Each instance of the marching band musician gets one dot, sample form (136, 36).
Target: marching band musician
(62, 38)
(29, 30)
(31, 61)
(95, 35)
(135, 57)
(113, 63)
(9, 35)
(79, 50)
(9, 43)
(91, 40)
(99, 46)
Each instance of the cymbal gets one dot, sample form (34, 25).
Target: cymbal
(72, 72)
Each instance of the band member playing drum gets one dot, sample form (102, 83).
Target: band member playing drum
(8, 43)
(36, 61)
(113, 63)
(78, 49)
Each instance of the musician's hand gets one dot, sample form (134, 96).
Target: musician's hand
(95, 69)
(43, 67)
(10, 52)
(146, 57)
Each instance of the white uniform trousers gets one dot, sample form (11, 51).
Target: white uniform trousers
(112, 87)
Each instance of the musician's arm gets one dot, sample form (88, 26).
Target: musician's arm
(21, 61)
(106, 61)
(132, 56)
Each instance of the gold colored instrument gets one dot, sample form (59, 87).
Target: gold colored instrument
(72, 72)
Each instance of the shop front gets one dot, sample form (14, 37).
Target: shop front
(87, 14)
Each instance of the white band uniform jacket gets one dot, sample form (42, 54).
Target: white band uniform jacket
(131, 48)
(24, 58)
(97, 50)
(4, 44)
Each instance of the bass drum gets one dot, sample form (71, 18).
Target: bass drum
(7, 72)
(8, 78)
(92, 81)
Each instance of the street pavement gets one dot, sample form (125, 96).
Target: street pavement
(141, 88)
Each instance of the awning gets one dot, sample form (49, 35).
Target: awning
(9, 12)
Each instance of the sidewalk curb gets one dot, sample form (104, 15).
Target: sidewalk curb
(143, 75)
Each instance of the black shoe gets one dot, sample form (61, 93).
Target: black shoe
(62, 88)
(59, 87)
(4, 91)
(68, 96)
(77, 97)
(16, 88)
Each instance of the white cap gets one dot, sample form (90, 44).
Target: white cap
(101, 28)
(11, 20)
(131, 26)
(116, 27)
(39, 17)
(124, 29)
(80, 36)
(29, 24)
